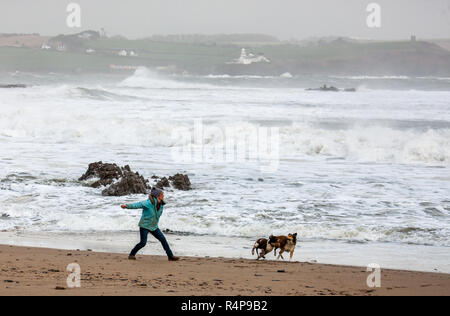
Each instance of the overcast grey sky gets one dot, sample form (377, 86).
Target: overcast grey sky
(283, 18)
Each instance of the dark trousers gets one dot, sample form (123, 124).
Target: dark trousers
(158, 235)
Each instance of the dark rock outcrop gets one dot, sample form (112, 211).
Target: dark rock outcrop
(163, 183)
(181, 182)
(12, 86)
(178, 181)
(119, 181)
(130, 183)
(324, 88)
(122, 181)
(106, 173)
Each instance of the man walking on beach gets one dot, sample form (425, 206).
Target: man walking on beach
(151, 212)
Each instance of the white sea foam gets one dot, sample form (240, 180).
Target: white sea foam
(226, 76)
(362, 77)
(372, 143)
(287, 75)
(213, 223)
(84, 123)
(369, 166)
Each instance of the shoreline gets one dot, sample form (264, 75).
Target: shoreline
(42, 271)
(387, 255)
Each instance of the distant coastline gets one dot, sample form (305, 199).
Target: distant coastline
(89, 51)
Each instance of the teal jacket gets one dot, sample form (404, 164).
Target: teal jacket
(150, 215)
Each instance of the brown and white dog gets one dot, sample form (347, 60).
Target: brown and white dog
(285, 243)
(265, 246)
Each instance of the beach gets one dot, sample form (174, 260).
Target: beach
(42, 271)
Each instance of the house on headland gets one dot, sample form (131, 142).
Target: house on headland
(249, 58)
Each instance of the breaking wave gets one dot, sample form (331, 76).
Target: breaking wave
(144, 78)
(120, 114)
(84, 124)
(217, 224)
(373, 144)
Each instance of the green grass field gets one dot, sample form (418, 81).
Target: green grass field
(337, 57)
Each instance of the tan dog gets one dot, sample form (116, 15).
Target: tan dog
(285, 243)
(265, 246)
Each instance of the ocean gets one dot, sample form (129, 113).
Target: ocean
(363, 177)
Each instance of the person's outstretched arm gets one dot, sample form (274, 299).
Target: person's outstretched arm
(133, 206)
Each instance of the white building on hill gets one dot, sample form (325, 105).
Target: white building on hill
(249, 58)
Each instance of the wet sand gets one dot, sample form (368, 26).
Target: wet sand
(40, 271)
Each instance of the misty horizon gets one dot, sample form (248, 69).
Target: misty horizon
(289, 20)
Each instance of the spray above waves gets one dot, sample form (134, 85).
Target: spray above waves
(144, 78)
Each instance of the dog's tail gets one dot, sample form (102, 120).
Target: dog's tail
(255, 247)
